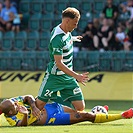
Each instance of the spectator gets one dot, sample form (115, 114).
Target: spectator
(1, 6)
(90, 40)
(128, 7)
(16, 21)
(15, 3)
(110, 11)
(120, 38)
(106, 35)
(128, 44)
(124, 14)
(5, 20)
(96, 23)
(122, 25)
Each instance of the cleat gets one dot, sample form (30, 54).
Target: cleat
(128, 113)
(106, 107)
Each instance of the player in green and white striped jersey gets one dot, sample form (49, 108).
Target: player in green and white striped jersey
(60, 75)
(60, 44)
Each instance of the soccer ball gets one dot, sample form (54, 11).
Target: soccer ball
(100, 109)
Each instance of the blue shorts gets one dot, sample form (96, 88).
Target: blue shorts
(56, 115)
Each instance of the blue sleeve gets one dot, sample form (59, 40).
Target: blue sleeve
(2, 13)
(14, 10)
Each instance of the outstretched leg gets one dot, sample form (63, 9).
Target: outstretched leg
(100, 118)
(76, 117)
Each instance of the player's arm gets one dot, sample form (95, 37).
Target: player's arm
(31, 101)
(24, 121)
(24, 111)
(59, 63)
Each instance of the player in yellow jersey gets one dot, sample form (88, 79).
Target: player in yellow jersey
(22, 111)
(13, 109)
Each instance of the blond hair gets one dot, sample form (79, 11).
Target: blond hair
(71, 12)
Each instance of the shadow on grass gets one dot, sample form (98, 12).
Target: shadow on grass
(80, 124)
(6, 127)
(98, 124)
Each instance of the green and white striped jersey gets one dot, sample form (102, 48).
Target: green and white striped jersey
(60, 44)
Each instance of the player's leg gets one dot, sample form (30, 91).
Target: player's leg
(65, 116)
(40, 104)
(76, 117)
(77, 101)
(73, 93)
(100, 118)
(44, 93)
(65, 103)
(79, 105)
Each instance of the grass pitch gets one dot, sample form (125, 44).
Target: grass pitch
(119, 126)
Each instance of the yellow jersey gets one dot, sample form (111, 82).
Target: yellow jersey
(13, 120)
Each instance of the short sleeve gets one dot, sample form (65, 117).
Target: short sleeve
(12, 120)
(57, 46)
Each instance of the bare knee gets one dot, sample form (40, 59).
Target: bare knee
(79, 105)
(80, 108)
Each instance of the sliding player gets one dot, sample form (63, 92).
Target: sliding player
(22, 111)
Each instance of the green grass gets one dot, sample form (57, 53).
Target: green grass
(119, 126)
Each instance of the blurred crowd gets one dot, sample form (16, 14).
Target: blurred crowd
(113, 30)
(9, 17)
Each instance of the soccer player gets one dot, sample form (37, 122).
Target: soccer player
(22, 111)
(59, 74)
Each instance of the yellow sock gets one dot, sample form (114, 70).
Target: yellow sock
(100, 118)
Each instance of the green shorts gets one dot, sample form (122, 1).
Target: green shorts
(66, 85)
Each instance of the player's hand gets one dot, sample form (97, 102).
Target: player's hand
(21, 109)
(77, 38)
(36, 112)
(83, 78)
